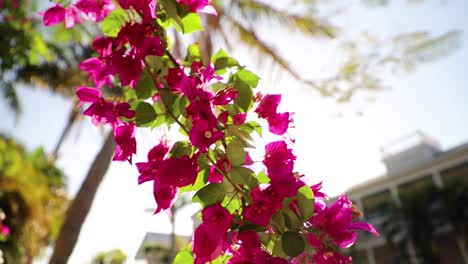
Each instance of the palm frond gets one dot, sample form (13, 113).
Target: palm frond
(11, 98)
(251, 38)
(253, 11)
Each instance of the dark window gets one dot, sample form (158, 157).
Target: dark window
(456, 174)
(416, 186)
(377, 205)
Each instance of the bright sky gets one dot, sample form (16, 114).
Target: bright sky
(341, 151)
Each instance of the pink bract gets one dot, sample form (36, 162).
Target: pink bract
(210, 237)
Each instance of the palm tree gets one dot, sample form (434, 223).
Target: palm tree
(60, 75)
(238, 17)
(33, 198)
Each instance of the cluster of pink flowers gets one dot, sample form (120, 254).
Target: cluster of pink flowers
(167, 174)
(92, 10)
(213, 121)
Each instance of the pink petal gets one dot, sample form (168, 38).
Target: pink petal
(88, 94)
(54, 15)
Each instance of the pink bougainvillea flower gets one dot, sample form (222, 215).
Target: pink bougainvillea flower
(203, 134)
(223, 118)
(88, 94)
(95, 10)
(54, 15)
(4, 230)
(225, 96)
(268, 105)
(331, 257)
(174, 76)
(202, 110)
(336, 222)
(146, 8)
(100, 110)
(262, 208)
(279, 160)
(210, 237)
(199, 6)
(124, 135)
(263, 257)
(250, 251)
(57, 14)
(319, 197)
(71, 17)
(278, 123)
(141, 40)
(239, 119)
(148, 170)
(164, 194)
(97, 71)
(127, 66)
(215, 175)
(103, 45)
(178, 172)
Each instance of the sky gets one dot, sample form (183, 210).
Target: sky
(334, 144)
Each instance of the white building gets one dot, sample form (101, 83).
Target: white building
(413, 163)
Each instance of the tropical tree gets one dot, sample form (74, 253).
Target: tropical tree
(421, 214)
(32, 200)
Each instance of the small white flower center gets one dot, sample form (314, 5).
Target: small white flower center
(208, 134)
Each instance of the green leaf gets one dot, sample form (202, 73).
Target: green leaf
(222, 60)
(167, 96)
(184, 256)
(305, 202)
(292, 243)
(145, 114)
(255, 126)
(191, 23)
(263, 178)
(278, 248)
(244, 101)
(170, 7)
(251, 226)
(242, 135)
(180, 148)
(144, 88)
(248, 77)
(155, 62)
(113, 22)
(291, 219)
(193, 54)
(236, 153)
(232, 204)
(218, 86)
(129, 94)
(278, 222)
(202, 178)
(244, 176)
(210, 194)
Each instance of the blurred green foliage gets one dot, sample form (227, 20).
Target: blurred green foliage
(114, 256)
(33, 198)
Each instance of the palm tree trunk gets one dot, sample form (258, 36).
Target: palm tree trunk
(71, 120)
(172, 249)
(81, 205)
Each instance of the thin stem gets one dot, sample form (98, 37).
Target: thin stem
(148, 71)
(225, 175)
(169, 54)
